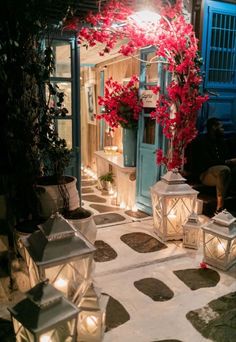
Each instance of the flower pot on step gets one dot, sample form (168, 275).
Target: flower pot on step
(57, 197)
(83, 221)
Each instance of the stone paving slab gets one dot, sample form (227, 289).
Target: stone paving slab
(127, 257)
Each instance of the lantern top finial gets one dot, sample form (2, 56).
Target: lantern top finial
(193, 218)
(44, 295)
(224, 218)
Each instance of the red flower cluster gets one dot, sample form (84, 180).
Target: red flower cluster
(121, 104)
(176, 44)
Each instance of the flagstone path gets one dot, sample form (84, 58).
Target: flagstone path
(157, 291)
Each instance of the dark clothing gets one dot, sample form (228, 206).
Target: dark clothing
(209, 152)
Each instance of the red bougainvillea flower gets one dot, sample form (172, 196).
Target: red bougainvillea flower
(120, 103)
(203, 265)
(176, 46)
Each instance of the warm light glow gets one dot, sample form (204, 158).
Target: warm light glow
(45, 338)
(123, 205)
(145, 17)
(91, 323)
(221, 247)
(134, 209)
(114, 194)
(111, 191)
(62, 285)
(172, 214)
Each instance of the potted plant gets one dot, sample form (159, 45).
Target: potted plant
(122, 106)
(55, 191)
(106, 180)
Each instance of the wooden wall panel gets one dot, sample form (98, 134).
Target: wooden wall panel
(119, 69)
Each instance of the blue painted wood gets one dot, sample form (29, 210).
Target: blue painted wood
(150, 138)
(74, 169)
(129, 146)
(219, 69)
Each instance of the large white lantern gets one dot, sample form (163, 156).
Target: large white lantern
(61, 254)
(92, 314)
(172, 202)
(191, 232)
(219, 241)
(44, 315)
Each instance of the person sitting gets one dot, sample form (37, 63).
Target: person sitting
(213, 162)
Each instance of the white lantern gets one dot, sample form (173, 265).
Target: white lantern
(172, 202)
(191, 231)
(219, 241)
(61, 254)
(92, 314)
(44, 315)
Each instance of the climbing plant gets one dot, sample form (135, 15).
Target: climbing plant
(176, 47)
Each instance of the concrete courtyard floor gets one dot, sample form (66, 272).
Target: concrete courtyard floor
(147, 320)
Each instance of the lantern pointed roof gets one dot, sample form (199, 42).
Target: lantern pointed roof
(222, 224)
(57, 227)
(173, 177)
(172, 183)
(56, 241)
(93, 299)
(193, 220)
(43, 307)
(224, 218)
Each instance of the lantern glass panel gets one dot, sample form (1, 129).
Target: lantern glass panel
(90, 325)
(33, 269)
(215, 247)
(64, 332)
(158, 212)
(71, 278)
(22, 334)
(177, 210)
(232, 253)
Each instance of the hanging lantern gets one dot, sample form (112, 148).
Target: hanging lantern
(92, 314)
(219, 241)
(172, 201)
(44, 315)
(61, 254)
(191, 232)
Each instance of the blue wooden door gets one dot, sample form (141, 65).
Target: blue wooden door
(219, 56)
(150, 137)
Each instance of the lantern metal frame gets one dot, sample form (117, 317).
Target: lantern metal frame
(63, 255)
(92, 315)
(191, 232)
(172, 202)
(44, 315)
(219, 241)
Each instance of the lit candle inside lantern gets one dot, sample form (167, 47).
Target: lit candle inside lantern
(172, 215)
(91, 323)
(221, 247)
(122, 205)
(111, 191)
(45, 338)
(62, 285)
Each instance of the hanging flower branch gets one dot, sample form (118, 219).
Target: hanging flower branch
(121, 104)
(176, 45)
